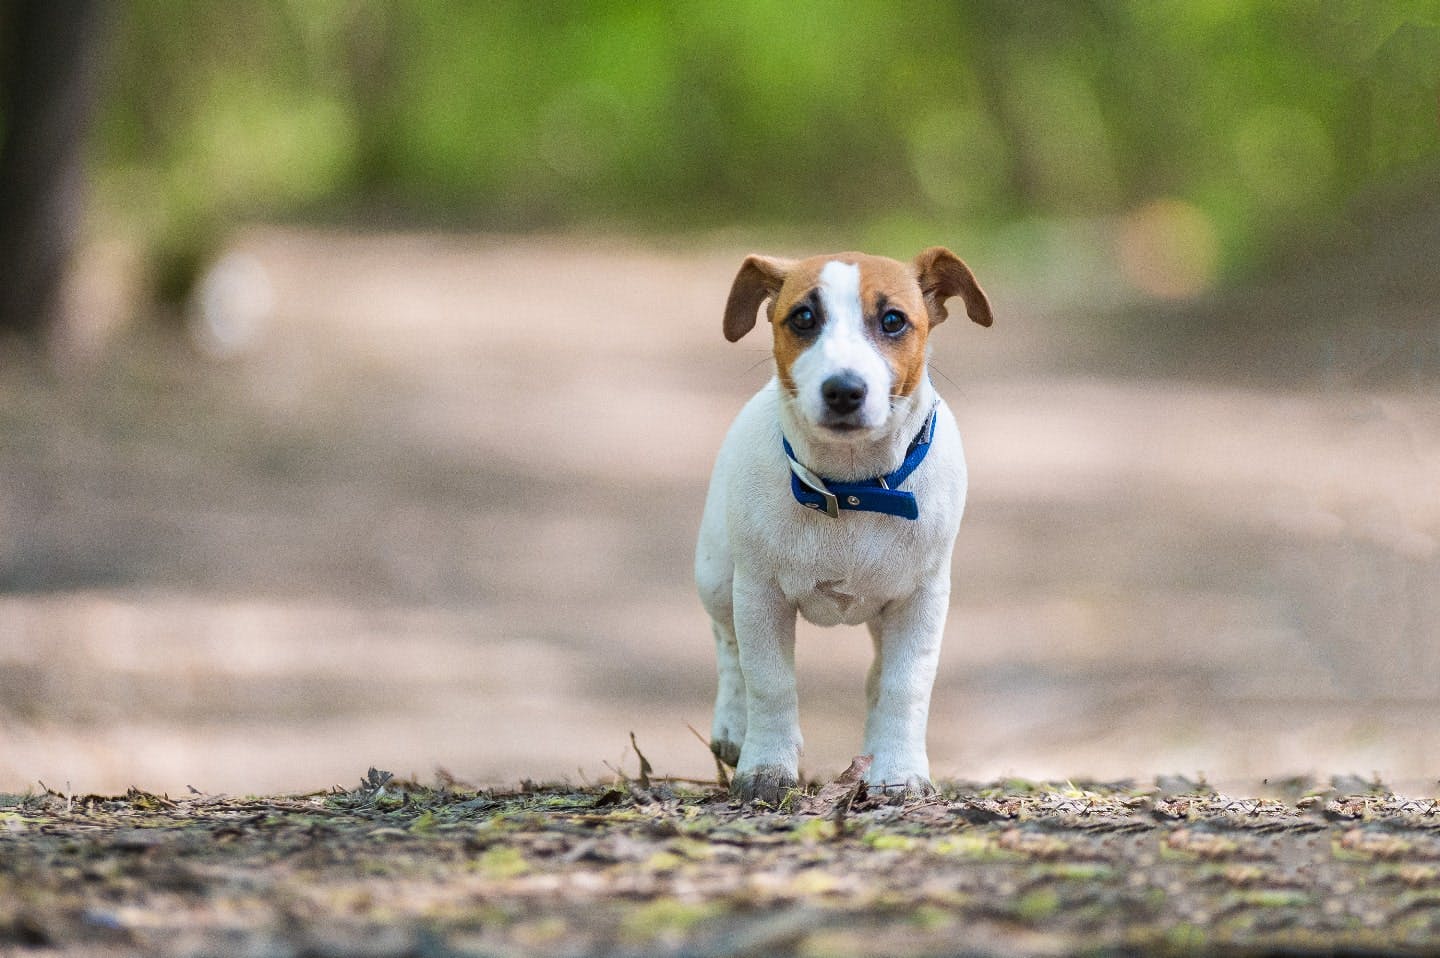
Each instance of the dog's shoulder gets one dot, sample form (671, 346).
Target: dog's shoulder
(749, 475)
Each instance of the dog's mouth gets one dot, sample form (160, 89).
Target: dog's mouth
(848, 425)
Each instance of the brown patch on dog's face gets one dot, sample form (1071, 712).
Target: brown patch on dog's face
(889, 289)
(800, 291)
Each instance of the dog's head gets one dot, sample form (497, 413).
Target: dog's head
(850, 329)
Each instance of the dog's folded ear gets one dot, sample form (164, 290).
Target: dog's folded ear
(759, 279)
(942, 274)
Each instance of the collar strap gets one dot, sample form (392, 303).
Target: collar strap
(868, 495)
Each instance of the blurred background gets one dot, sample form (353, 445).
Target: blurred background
(361, 373)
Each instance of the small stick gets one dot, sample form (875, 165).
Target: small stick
(721, 777)
(644, 764)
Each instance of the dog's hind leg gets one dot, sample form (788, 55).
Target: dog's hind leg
(727, 732)
(872, 678)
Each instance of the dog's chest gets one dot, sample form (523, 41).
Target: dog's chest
(843, 582)
(838, 602)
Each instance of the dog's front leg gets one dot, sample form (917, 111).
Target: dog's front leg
(907, 650)
(765, 631)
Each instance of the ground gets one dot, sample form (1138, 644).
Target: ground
(646, 867)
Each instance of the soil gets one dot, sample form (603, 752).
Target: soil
(646, 867)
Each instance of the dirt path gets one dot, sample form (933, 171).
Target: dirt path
(646, 868)
(436, 509)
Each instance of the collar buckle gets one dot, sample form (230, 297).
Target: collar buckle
(817, 485)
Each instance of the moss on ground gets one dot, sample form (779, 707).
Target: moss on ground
(397, 868)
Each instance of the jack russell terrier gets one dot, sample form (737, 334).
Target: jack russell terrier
(836, 494)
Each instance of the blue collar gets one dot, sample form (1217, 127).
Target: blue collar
(867, 495)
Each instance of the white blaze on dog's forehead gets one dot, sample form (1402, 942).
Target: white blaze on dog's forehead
(840, 288)
(842, 339)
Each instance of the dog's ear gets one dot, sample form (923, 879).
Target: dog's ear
(759, 279)
(942, 274)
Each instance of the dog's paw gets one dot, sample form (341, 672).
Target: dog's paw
(765, 783)
(903, 791)
(726, 751)
(900, 780)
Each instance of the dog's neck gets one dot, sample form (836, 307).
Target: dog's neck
(853, 458)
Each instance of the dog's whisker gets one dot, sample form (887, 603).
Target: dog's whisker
(944, 375)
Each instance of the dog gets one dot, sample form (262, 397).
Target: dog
(836, 494)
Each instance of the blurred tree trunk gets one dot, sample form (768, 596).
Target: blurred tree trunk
(49, 59)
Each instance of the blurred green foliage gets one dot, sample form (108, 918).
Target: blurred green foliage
(839, 115)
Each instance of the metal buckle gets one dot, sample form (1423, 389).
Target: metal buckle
(815, 484)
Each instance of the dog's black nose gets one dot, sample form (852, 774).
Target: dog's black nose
(843, 393)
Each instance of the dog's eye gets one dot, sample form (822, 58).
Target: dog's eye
(893, 322)
(802, 319)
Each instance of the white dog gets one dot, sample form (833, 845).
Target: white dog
(837, 494)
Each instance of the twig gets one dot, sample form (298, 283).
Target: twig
(644, 763)
(722, 778)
